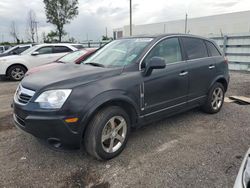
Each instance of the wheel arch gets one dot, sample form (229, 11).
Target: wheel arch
(222, 80)
(124, 102)
(15, 64)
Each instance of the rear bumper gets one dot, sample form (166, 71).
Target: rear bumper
(50, 128)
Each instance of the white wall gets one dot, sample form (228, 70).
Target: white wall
(238, 22)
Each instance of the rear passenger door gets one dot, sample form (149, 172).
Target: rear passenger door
(201, 69)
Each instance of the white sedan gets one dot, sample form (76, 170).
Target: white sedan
(16, 66)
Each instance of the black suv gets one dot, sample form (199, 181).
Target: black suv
(127, 83)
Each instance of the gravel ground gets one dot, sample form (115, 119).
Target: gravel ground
(192, 149)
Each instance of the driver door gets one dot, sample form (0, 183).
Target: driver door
(166, 90)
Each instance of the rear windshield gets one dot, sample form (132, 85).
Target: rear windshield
(72, 57)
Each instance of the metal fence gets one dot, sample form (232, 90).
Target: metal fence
(95, 44)
(237, 49)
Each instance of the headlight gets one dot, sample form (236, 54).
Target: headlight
(53, 99)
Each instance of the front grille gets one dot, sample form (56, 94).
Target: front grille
(23, 95)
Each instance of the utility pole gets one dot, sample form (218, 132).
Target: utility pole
(106, 30)
(36, 23)
(130, 14)
(186, 23)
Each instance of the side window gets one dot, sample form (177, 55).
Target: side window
(212, 49)
(61, 49)
(168, 49)
(45, 50)
(195, 48)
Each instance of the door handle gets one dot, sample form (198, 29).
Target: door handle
(211, 67)
(183, 73)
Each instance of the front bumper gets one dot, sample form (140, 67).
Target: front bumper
(48, 126)
(243, 177)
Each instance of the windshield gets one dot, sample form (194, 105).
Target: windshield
(72, 57)
(29, 50)
(119, 53)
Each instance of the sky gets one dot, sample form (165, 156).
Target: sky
(97, 15)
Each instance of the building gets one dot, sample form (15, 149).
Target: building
(230, 23)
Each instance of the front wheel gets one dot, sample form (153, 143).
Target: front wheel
(16, 72)
(215, 99)
(107, 133)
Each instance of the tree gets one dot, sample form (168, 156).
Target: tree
(60, 12)
(14, 32)
(31, 25)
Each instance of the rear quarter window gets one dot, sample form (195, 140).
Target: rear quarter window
(61, 49)
(195, 48)
(213, 51)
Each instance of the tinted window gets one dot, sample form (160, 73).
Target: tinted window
(195, 48)
(168, 49)
(78, 46)
(45, 50)
(212, 49)
(61, 49)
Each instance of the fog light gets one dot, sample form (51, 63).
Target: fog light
(71, 120)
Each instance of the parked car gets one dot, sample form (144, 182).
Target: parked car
(16, 66)
(127, 83)
(16, 50)
(243, 177)
(75, 57)
(3, 49)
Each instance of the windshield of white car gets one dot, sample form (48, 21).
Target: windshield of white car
(72, 57)
(29, 50)
(119, 53)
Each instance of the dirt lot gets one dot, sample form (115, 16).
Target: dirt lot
(189, 150)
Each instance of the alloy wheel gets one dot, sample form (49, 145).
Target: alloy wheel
(114, 134)
(17, 73)
(217, 98)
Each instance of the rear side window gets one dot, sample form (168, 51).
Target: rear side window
(78, 46)
(45, 50)
(213, 51)
(61, 49)
(195, 48)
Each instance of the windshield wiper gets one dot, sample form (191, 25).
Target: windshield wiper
(94, 64)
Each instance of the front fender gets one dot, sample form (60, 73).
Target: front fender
(105, 97)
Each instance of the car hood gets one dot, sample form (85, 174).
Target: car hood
(67, 76)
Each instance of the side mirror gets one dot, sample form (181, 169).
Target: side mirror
(35, 53)
(154, 63)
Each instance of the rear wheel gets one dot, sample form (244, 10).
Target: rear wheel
(107, 133)
(215, 99)
(16, 72)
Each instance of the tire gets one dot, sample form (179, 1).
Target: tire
(16, 72)
(215, 99)
(105, 128)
